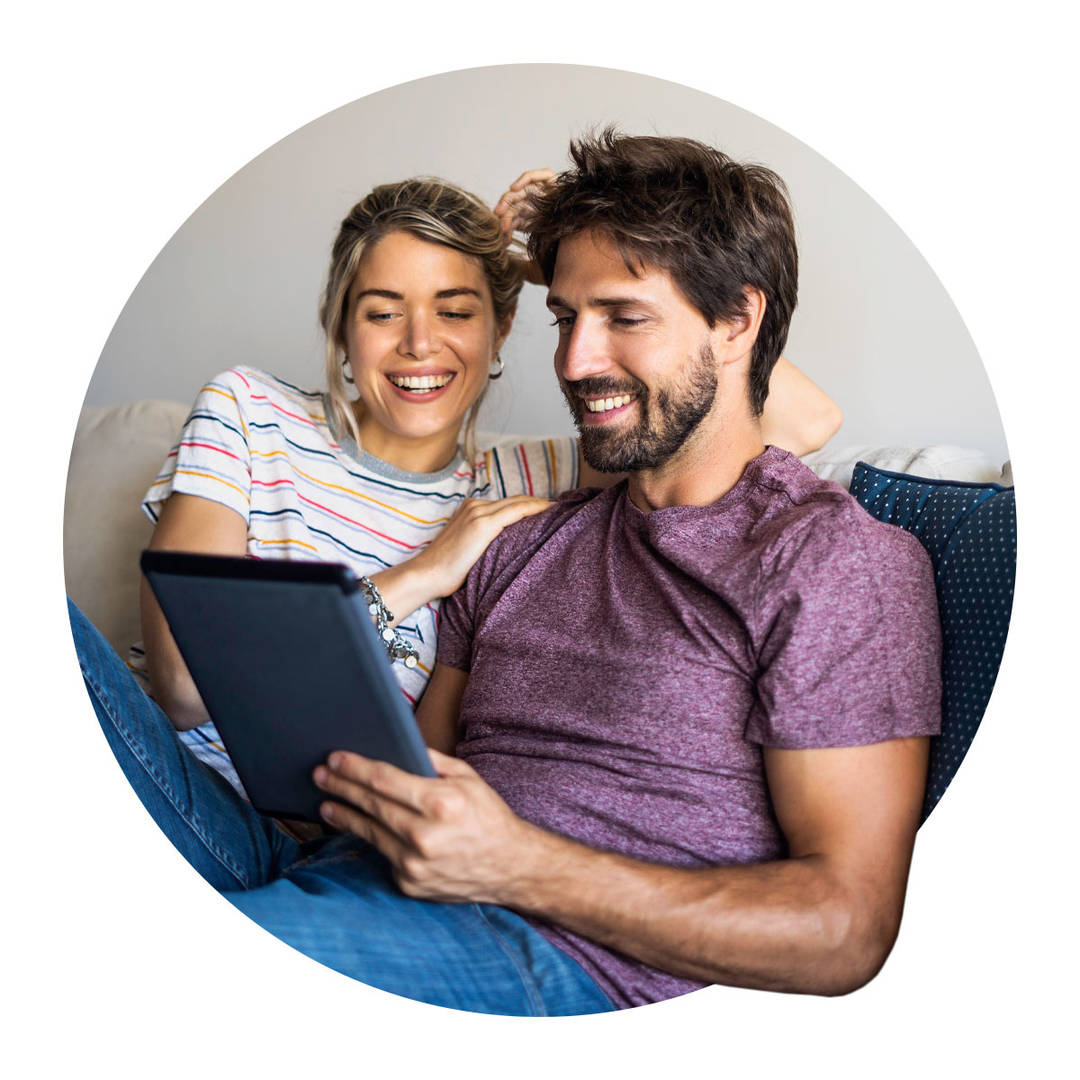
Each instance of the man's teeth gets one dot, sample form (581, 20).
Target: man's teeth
(607, 404)
(420, 382)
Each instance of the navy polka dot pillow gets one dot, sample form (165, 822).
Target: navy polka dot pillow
(970, 532)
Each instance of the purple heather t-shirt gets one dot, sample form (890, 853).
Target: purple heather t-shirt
(626, 669)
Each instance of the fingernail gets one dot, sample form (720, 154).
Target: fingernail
(327, 811)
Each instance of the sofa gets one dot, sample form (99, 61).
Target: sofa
(959, 504)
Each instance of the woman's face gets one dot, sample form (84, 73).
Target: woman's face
(420, 335)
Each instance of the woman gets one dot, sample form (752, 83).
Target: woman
(374, 473)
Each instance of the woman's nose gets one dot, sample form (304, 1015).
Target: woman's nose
(420, 338)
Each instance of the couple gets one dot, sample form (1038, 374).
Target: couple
(665, 756)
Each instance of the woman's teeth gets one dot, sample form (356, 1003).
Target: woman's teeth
(420, 383)
(607, 404)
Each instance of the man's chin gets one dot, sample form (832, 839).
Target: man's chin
(608, 454)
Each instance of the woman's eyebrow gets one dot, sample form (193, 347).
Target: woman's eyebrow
(442, 294)
(386, 294)
(445, 294)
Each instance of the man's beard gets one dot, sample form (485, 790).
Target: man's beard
(666, 417)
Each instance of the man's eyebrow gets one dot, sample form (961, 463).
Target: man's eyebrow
(598, 301)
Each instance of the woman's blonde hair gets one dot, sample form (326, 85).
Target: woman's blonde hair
(432, 210)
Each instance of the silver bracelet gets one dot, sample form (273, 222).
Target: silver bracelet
(397, 647)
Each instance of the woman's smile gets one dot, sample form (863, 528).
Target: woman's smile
(420, 335)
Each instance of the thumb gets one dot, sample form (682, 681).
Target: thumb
(446, 765)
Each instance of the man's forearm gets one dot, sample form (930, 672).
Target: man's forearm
(793, 924)
(821, 921)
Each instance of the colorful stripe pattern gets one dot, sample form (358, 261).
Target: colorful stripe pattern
(265, 449)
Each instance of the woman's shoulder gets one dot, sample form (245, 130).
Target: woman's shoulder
(250, 390)
(258, 384)
(533, 465)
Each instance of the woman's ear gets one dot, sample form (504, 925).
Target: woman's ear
(502, 329)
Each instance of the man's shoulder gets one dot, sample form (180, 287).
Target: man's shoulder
(810, 523)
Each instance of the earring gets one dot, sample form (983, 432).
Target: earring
(346, 370)
(502, 366)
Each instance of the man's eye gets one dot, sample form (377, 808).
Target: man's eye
(563, 322)
(622, 320)
(461, 315)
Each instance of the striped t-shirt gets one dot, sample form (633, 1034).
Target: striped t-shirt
(269, 451)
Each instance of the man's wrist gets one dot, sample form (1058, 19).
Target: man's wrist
(535, 863)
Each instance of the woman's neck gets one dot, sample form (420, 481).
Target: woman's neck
(419, 455)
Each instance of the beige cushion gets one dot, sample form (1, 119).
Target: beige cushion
(116, 454)
(932, 462)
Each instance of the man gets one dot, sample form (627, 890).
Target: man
(677, 759)
(675, 685)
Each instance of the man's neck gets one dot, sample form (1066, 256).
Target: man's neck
(708, 466)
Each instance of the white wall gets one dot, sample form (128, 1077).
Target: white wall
(240, 279)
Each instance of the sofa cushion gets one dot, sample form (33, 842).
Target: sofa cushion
(836, 461)
(969, 531)
(117, 452)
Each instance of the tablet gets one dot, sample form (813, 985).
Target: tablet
(289, 667)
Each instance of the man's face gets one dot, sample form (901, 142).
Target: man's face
(634, 357)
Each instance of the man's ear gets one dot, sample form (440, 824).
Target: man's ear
(734, 339)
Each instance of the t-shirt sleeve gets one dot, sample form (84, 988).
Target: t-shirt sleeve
(212, 459)
(850, 640)
(543, 467)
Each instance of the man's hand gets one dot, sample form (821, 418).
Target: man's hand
(451, 838)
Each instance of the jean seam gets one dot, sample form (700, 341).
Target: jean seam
(536, 999)
(189, 818)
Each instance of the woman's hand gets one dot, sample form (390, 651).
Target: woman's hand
(441, 567)
(513, 213)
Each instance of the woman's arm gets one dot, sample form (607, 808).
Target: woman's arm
(799, 416)
(187, 523)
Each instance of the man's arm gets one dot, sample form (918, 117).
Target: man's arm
(821, 921)
(439, 708)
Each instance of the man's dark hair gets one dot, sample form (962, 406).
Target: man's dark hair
(714, 224)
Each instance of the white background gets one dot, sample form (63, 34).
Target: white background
(120, 118)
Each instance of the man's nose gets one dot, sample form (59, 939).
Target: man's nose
(583, 352)
(420, 338)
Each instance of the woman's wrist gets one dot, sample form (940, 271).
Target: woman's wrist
(406, 587)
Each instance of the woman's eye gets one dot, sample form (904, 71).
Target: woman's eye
(459, 315)
(380, 316)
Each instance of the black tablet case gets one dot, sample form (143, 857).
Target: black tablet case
(289, 667)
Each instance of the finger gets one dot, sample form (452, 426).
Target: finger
(506, 511)
(349, 820)
(447, 765)
(386, 812)
(380, 777)
(533, 176)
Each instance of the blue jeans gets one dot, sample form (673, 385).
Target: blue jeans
(332, 898)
